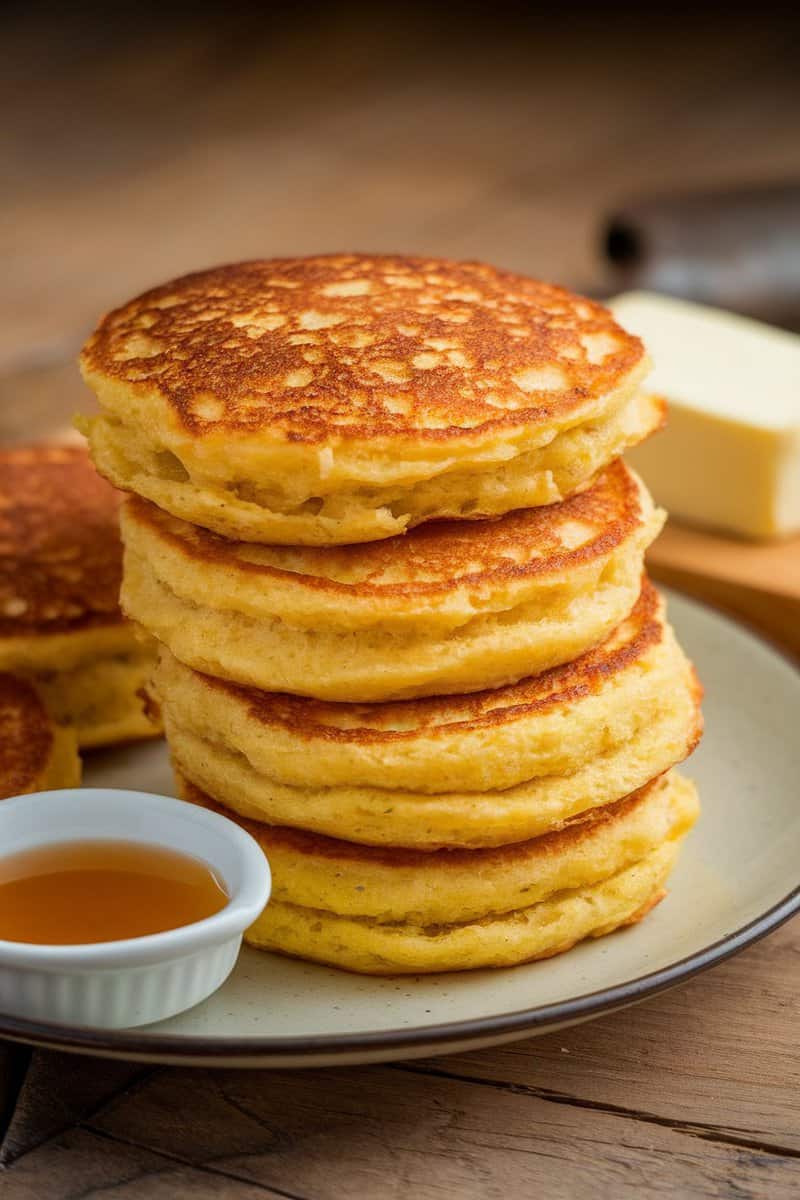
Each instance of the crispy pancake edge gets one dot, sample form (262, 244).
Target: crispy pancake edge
(613, 503)
(308, 843)
(279, 344)
(558, 686)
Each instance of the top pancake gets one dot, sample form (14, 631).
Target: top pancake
(60, 552)
(301, 400)
(366, 346)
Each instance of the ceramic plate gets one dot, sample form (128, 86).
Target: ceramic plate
(737, 879)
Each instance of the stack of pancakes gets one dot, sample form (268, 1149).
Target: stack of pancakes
(381, 529)
(61, 625)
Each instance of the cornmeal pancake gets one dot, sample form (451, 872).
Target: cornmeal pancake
(450, 607)
(545, 929)
(36, 754)
(386, 910)
(388, 885)
(60, 570)
(346, 398)
(481, 770)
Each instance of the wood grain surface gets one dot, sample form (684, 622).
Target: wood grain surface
(136, 148)
(757, 582)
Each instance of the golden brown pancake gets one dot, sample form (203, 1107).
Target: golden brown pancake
(449, 607)
(384, 909)
(36, 754)
(345, 398)
(484, 769)
(60, 571)
(60, 558)
(388, 884)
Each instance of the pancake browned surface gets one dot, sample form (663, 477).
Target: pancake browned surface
(60, 562)
(60, 570)
(449, 607)
(345, 398)
(385, 911)
(36, 754)
(478, 770)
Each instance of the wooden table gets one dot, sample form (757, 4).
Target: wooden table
(133, 153)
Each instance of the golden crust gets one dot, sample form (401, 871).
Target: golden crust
(434, 559)
(363, 346)
(350, 855)
(442, 610)
(60, 551)
(439, 716)
(542, 930)
(402, 889)
(492, 817)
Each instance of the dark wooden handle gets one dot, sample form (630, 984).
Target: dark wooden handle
(738, 249)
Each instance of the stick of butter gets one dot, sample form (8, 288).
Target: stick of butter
(730, 455)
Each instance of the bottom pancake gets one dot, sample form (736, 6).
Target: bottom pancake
(385, 911)
(36, 753)
(541, 931)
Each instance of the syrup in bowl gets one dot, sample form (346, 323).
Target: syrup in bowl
(80, 892)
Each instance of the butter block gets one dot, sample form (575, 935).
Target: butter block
(729, 458)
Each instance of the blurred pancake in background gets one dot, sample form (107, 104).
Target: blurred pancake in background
(449, 607)
(36, 753)
(479, 770)
(60, 570)
(346, 398)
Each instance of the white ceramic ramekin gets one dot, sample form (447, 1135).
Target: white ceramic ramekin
(132, 982)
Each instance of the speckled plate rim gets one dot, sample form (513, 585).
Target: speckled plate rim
(348, 1048)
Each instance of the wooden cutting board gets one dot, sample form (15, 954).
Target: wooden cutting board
(759, 582)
